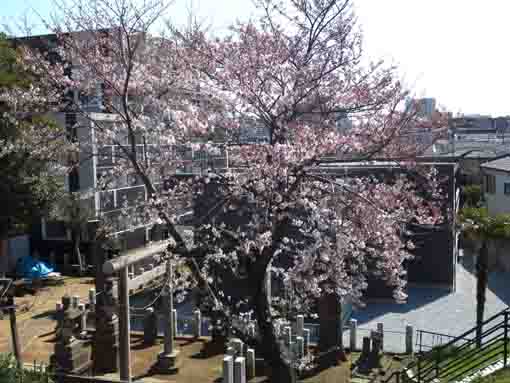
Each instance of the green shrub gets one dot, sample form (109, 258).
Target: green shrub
(472, 195)
(11, 373)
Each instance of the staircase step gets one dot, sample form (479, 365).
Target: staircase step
(484, 372)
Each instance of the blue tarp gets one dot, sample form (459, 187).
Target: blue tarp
(28, 267)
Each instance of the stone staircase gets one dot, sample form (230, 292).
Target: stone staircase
(464, 358)
(484, 372)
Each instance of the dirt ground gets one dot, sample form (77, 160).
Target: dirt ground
(36, 325)
(37, 337)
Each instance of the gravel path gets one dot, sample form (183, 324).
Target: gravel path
(433, 309)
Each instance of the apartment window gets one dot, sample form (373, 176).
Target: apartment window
(490, 184)
(507, 188)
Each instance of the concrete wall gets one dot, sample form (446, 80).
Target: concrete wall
(17, 247)
(498, 203)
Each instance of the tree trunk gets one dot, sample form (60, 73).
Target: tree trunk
(75, 238)
(4, 250)
(482, 274)
(281, 371)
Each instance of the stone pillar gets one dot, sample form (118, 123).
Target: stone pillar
(409, 339)
(306, 340)
(150, 327)
(71, 355)
(353, 330)
(300, 347)
(66, 302)
(106, 337)
(380, 330)
(167, 360)
(228, 369)
(283, 346)
(268, 281)
(231, 351)
(124, 326)
(237, 345)
(92, 300)
(250, 363)
(59, 316)
(287, 336)
(251, 330)
(376, 344)
(174, 319)
(75, 301)
(239, 370)
(300, 325)
(365, 349)
(197, 324)
(83, 319)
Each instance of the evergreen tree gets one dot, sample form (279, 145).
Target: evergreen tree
(28, 180)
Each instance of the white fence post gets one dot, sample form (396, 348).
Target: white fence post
(239, 370)
(409, 339)
(250, 363)
(380, 330)
(353, 330)
(228, 369)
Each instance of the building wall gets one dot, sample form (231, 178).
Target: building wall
(498, 203)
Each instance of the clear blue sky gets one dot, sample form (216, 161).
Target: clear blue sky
(453, 50)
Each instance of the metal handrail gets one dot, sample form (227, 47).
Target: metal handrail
(469, 343)
(419, 338)
(464, 335)
(455, 363)
(432, 358)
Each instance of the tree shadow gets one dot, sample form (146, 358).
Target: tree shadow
(498, 279)
(45, 315)
(417, 297)
(210, 350)
(499, 284)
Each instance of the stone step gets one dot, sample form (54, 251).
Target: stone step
(484, 372)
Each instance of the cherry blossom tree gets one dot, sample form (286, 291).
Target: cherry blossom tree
(296, 73)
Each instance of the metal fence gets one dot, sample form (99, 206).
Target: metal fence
(185, 326)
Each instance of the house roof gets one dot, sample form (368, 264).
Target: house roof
(467, 149)
(502, 164)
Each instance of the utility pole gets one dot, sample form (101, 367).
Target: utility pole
(7, 303)
(14, 330)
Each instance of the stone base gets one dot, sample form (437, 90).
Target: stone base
(167, 363)
(105, 347)
(71, 358)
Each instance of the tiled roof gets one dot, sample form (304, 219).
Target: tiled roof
(499, 164)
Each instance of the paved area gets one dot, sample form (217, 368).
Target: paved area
(434, 309)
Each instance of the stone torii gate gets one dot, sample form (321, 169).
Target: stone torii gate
(120, 266)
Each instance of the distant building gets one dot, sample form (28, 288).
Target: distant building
(501, 125)
(425, 107)
(496, 185)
